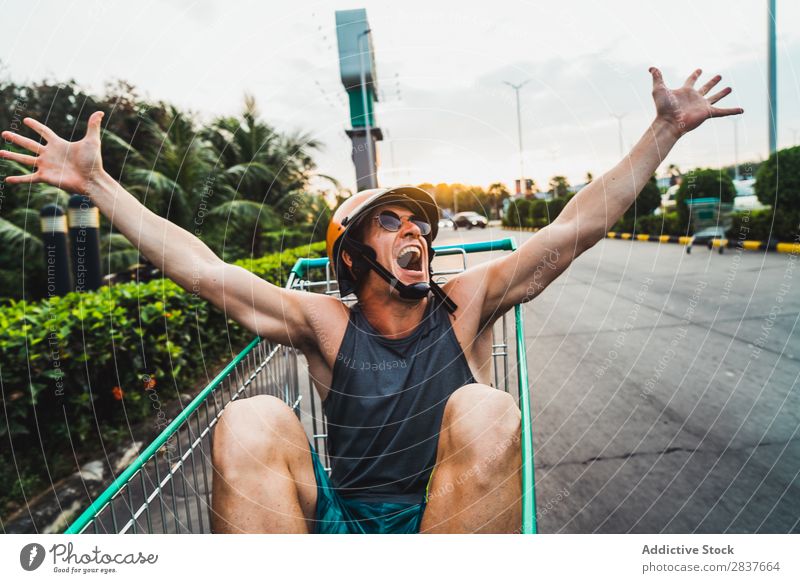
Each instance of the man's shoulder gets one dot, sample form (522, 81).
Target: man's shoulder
(469, 285)
(322, 305)
(326, 318)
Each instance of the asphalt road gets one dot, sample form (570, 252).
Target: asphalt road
(665, 390)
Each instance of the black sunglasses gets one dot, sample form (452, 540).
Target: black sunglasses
(391, 222)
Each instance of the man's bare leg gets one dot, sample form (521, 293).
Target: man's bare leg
(263, 479)
(477, 480)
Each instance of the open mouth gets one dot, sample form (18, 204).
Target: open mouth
(410, 259)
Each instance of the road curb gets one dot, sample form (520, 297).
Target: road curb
(716, 243)
(793, 248)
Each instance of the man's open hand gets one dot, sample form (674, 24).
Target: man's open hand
(71, 166)
(686, 108)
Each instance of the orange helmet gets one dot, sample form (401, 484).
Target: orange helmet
(358, 205)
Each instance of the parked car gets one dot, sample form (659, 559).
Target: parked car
(469, 220)
(445, 224)
(746, 199)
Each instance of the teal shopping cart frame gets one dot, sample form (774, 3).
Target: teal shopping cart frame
(159, 493)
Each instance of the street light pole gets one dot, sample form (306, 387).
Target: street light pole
(516, 89)
(736, 148)
(367, 126)
(772, 82)
(619, 131)
(391, 154)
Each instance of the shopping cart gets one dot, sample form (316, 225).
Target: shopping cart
(167, 489)
(711, 219)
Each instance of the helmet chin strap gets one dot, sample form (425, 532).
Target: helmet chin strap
(414, 291)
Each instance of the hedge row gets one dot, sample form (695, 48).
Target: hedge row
(760, 225)
(534, 213)
(756, 225)
(79, 370)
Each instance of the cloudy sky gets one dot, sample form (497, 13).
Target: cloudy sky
(444, 111)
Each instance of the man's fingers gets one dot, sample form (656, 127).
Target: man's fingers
(710, 85)
(722, 112)
(93, 129)
(39, 128)
(692, 79)
(21, 158)
(23, 142)
(658, 79)
(24, 179)
(717, 96)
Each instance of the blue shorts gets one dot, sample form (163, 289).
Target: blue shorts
(338, 515)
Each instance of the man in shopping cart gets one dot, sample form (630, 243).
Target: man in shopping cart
(419, 439)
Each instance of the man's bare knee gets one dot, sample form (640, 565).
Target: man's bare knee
(263, 479)
(254, 432)
(482, 424)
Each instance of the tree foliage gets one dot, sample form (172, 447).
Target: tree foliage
(558, 186)
(778, 185)
(457, 197)
(235, 182)
(649, 199)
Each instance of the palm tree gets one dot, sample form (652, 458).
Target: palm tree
(498, 193)
(263, 177)
(228, 182)
(171, 170)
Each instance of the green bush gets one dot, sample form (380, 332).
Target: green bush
(71, 352)
(555, 206)
(778, 180)
(86, 365)
(703, 183)
(666, 224)
(275, 267)
(649, 199)
(759, 226)
(535, 212)
(538, 214)
(778, 185)
(524, 207)
(275, 242)
(511, 217)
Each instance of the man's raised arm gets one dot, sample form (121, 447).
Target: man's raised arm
(521, 276)
(267, 310)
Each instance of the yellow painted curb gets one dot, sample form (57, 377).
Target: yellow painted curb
(663, 239)
(643, 237)
(719, 242)
(625, 236)
(755, 245)
(684, 240)
(788, 248)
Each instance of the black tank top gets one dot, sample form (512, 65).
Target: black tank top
(386, 402)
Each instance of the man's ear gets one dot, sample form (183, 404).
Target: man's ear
(348, 261)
